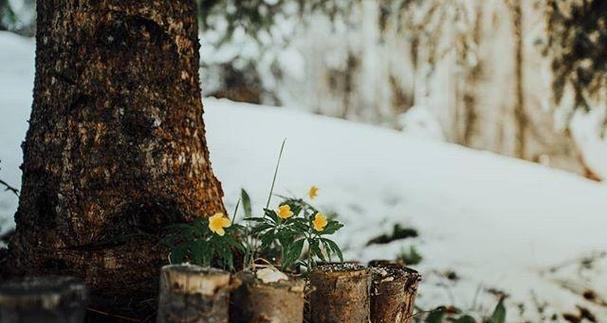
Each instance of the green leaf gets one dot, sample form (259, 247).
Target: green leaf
(201, 226)
(261, 228)
(272, 215)
(315, 248)
(178, 254)
(267, 239)
(334, 248)
(198, 249)
(246, 203)
(224, 253)
(293, 252)
(465, 319)
(331, 228)
(436, 316)
(256, 219)
(233, 243)
(499, 314)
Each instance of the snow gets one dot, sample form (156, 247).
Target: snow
(497, 222)
(419, 122)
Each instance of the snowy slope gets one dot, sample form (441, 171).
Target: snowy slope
(497, 222)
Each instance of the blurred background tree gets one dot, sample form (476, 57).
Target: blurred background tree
(487, 74)
(577, 31)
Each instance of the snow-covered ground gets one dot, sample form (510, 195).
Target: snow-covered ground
(498, 223)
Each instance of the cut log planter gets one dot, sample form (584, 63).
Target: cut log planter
(275, 302)
(52, 299)
(393, 291)
(190, 293)
(340, 293)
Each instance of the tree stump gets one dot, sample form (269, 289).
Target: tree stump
(340, 293)
(275, 302)
(393, 291)
(51, 299)
(190, 293)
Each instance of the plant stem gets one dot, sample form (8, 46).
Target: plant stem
(282, 147)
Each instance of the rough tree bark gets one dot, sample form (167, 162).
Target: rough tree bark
(393, 292)
(275, 302)
(116, 145)
(341, 293)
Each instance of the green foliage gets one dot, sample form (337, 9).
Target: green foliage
(398, 233)
(409, 257)
(444, 314)
(196, 243)
(279, 236)
(289, 235)
(577, 39)
(7, 15)
(499, 314)
(255, 16)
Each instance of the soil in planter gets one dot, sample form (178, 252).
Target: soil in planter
(340, 293)
(275, 302)
(190, 293)
(393, 291)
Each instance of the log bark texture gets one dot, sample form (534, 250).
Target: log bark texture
(258, 302)
(116, 145)
(50, 299)
(393, 292)
(340, 293)
(192, 294)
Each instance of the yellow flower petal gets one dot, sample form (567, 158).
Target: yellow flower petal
(226, 223)
(320, 222)
(217, 222)
(313, 192)
(284, 211)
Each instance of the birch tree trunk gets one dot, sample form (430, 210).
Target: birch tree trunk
(116, 146)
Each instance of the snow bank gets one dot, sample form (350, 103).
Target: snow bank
(497, 222)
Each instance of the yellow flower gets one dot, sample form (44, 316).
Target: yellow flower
(284, 211)
(320, 222)
(218, 222)
(313, 192)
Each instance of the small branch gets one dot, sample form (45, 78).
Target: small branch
(9, 188)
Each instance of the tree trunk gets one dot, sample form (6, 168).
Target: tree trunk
(116, 146)
(519, 105)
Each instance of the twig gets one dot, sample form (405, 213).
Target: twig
(9, 188)
(126, 318)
